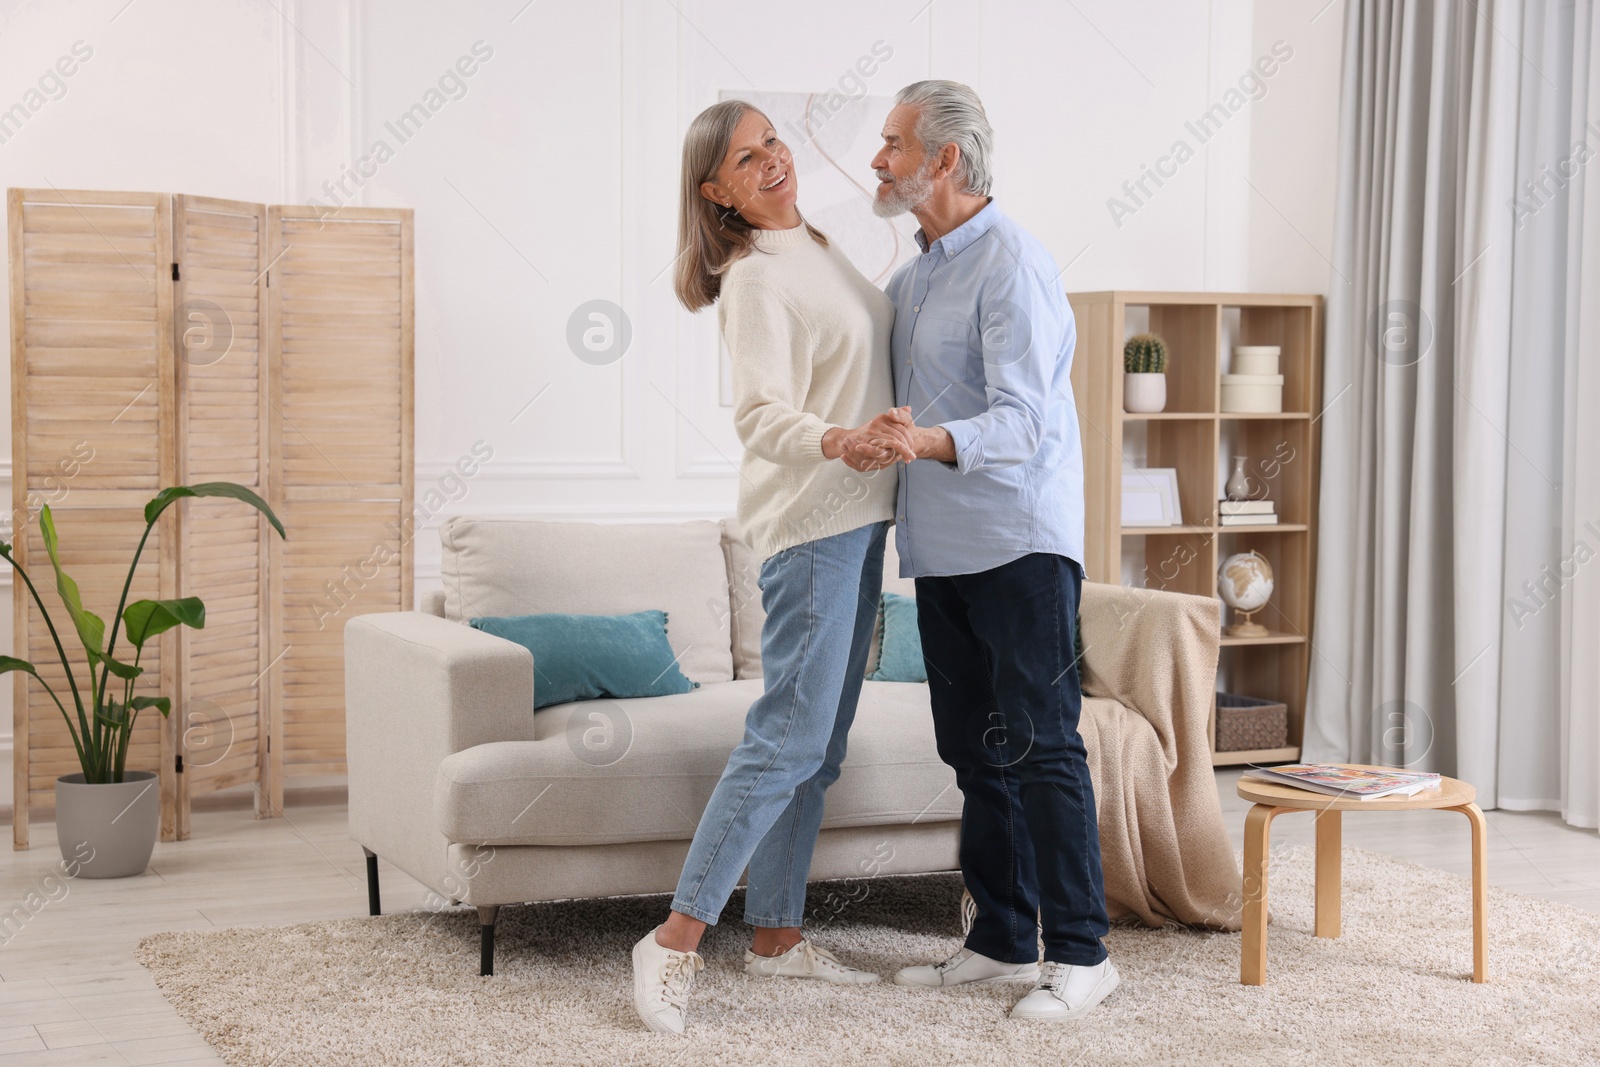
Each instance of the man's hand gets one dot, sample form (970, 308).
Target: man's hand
(925, 442)
(881, 443)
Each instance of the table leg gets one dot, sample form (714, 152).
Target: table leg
(1480, 890)
(1328, 872)
(1253, 936)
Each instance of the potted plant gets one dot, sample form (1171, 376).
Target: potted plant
(1144, 379)
(107, 813)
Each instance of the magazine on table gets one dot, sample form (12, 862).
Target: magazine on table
(1351, 782)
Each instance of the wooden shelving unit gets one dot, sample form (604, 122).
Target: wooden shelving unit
(1198, 439)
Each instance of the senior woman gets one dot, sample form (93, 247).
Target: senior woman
(809, 337)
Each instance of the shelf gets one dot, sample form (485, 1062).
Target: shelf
(1161, 531)
(1130, 416)
(1147, 531)
(1288, 754)
(1273, 638)
(1279, 527)
(1196, 439)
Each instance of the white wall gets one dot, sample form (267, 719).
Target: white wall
(551, 181)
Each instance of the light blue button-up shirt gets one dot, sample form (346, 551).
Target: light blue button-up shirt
(982, 345)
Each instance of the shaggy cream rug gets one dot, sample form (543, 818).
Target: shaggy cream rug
(404, 989)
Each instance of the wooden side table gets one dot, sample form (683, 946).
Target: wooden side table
(1272, 800)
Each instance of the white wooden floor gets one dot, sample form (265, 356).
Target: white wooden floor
(71, 993)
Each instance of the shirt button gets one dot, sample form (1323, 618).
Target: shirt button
(917, 307)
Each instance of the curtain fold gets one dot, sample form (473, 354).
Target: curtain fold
(1580, 505)
(1459, 455)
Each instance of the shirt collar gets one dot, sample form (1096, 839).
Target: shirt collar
(963, 235)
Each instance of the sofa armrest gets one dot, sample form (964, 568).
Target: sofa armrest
(418, 688)
(1156, 654)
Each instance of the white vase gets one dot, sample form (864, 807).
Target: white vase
(1144, 393)
(1238, 487)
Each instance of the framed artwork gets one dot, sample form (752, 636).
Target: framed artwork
(1150, 497)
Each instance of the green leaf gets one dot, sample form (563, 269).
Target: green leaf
(91, 629)
(145, 619)
(125, 671)
(165, 498)
(12, 663)
(161, 704)
(113, 714)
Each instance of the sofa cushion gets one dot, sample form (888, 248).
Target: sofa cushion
(611, 771)
(900, 656)
(746, 615)
(585, 657)
(495, 566)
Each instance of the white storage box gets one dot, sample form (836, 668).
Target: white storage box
(1248, 393)
(1255, 359)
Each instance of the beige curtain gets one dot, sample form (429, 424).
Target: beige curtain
(1457, 466)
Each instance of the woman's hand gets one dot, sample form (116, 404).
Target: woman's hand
(884, 441)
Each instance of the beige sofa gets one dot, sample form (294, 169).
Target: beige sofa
(457, 781)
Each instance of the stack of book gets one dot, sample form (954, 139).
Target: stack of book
(1352, 783)
(1247, 512)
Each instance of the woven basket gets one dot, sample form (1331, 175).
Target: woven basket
(1245, 723)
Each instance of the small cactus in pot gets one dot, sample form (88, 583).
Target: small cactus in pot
(1144, 381)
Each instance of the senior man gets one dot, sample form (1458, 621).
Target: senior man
(990, 524)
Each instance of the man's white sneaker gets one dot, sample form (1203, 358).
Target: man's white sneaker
(1066, 992)
(965, 967)
(662, 979)
(805, 960)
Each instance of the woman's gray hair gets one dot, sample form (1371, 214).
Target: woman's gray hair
(951, 113)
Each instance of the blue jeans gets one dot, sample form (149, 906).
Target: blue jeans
(1003, 680)
(821, 599)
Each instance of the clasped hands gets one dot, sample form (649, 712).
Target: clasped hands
(888, 439)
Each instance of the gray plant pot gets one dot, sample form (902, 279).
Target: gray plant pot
(108, 831)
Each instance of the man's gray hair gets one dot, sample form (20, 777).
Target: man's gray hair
(951, 113)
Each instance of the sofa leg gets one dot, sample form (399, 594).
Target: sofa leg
(486, 919)
(373, 907)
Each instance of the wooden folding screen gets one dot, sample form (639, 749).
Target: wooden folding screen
(161, 340)
(340, 319)
(91, 410)
(222, 414)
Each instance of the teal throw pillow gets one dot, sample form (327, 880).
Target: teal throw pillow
(901, 658)
(583, 657)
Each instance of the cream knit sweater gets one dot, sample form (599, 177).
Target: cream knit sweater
(809, 337)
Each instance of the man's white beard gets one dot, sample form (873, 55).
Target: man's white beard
(906, 194)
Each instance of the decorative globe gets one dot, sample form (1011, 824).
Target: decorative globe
(1244, 581)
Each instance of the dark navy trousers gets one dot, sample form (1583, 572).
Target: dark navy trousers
(1006, 700)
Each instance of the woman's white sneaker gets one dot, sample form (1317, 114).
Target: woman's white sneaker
(1067, 992)
(805, 960)
(662, 979)
(965, 967)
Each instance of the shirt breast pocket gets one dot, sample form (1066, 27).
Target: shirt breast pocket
(944, 352)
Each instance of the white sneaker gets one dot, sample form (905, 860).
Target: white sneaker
(1068, 992)
(662, 979)
(964, 967)
(805, 960)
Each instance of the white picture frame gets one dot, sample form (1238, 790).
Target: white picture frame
(1150, 497)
